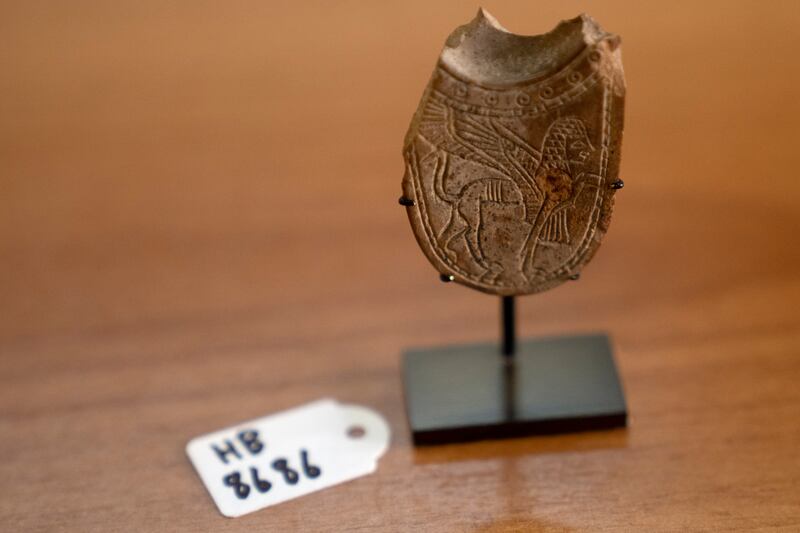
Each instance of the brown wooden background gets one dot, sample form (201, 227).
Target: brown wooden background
(199, 226)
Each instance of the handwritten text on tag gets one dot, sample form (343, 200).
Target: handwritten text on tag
(279, 457)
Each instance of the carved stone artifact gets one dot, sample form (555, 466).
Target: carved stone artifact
(513, 154)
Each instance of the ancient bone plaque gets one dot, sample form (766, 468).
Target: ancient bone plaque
(513, 154)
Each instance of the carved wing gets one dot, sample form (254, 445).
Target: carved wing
(483, 140)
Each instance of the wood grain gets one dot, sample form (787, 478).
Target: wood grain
(200, 226)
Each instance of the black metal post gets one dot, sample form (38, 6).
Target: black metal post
(509, 347)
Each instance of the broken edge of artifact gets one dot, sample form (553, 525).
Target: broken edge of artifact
(484, 52)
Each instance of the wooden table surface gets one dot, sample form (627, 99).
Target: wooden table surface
(200, 226)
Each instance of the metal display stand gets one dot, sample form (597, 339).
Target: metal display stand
(538, 386)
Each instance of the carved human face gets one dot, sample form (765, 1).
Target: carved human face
(579, 149)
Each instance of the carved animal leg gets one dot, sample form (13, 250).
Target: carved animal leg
(439, 174)
(533, 240)
(472, 216)
(450, 232)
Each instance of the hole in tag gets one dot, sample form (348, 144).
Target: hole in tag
(356, 432)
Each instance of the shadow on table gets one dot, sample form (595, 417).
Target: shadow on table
(546, 444)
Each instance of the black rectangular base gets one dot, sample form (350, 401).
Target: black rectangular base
(554, 385)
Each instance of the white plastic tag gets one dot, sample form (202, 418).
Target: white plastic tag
(280, 457)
